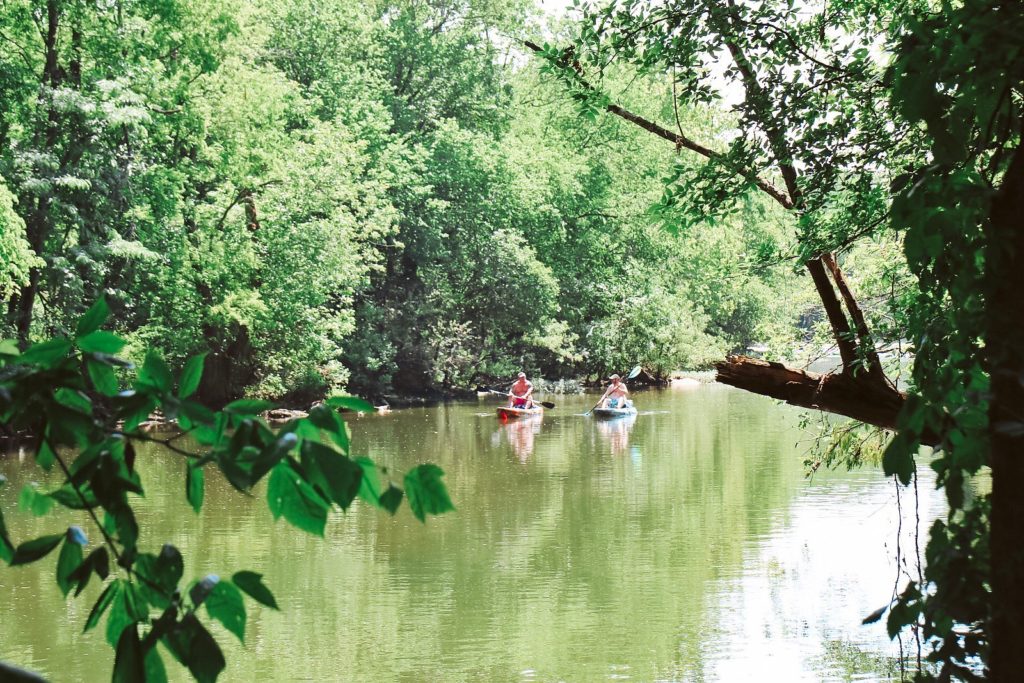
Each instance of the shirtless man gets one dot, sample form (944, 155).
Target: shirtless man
(521, 393)
(615, 396)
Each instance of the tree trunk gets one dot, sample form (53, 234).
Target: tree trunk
(858, 396)
(1004, 347)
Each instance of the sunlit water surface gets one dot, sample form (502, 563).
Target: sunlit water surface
(685, 544)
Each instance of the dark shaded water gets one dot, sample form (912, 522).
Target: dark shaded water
(685, 544)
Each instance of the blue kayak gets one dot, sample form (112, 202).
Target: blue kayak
(609, 413)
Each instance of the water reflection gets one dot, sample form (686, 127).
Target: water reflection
(616, 432)
(520, 435)
(566, 559)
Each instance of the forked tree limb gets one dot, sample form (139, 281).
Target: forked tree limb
(874, 364)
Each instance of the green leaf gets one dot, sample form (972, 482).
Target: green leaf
(102, 603)
(335, 474)
(426, 492)
(92, 319)
(251, 583)
(155, 373)
(75, 400)
(191, 375)
(32, 501)
(325, 418)
(391, 499)
(154, 665)
(201, 590)
(46, 353)
(103, 377)
(45, 457)
(288, 495)
(350, 403)
(369, 483)
(194, 488)
(898, 459)
(68, 561)
(98, 561)
(36, 549)
(225, 604)
(101, 341)
(6, 547)
(248, 406)
(129, 664)
(127, 608)
(192, 645)
(162, 572)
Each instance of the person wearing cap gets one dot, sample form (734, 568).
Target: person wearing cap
(521, 393)
(616, 395)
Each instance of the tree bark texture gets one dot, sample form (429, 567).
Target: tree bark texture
(1004, 346)
(858, 396)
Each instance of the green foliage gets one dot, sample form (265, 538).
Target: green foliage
(90, 436)
(956, 80)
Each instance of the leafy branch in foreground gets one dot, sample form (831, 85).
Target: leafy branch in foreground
(67, 394)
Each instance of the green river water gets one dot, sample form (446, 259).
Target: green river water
(685, 544)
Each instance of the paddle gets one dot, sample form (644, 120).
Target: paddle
(547, 404)
(632, 373)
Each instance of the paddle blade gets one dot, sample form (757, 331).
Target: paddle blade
(547, 404)
(634, 372)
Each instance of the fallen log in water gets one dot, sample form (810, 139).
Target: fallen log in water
(863, 397)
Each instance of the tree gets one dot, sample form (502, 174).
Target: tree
(307, 462)
(809, 119)
(957, 77)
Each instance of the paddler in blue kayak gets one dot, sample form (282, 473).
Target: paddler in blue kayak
(616, 395)
(521, 393)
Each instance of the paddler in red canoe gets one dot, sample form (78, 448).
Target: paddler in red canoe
(521, 393)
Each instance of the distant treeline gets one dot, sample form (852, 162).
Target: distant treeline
(384, 195)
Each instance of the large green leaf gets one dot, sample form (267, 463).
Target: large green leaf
(46, 353)
(101, 341)
(92, 319)
(327, 419)
(426, 492)
(369, 483)
(335, 474)
(391, 498)
(289, 496)
(162, 573)
(31, 500)
(350, 403)
(108, 596)
(155, 373)
(251, 583)
(225, 604)
(129, 662)
(192, 645)
(45, 457)
(126, 608)
(191, 376)
(154, 665)
(103, 377)
(36, 549)
(75, 400)
(248, 406)
(68, 561)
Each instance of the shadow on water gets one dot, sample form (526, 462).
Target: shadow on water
(680, 544)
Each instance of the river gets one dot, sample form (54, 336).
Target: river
(685, 544)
